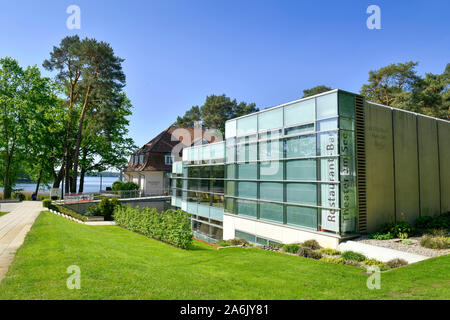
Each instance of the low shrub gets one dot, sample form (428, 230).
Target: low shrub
(334, 260)
(20, 196)
(352, 263)
(116, 185)
(330, 252)
(291, 248)
(437, 232)
(68, 212)
(308, 253)
(171, 226)
(238, 242)
(395, 263)
(46, 203)
(127, 186)
(313, 244)
(435, 242)
(105, 208)
(439, 222)
(374, 262)
(381, 236)
(353, 256)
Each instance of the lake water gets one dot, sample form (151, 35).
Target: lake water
(91, 184)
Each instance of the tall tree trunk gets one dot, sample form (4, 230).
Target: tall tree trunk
(38, 183)
(6, 184)
(82, 174)
(78, 141)
(58, 177)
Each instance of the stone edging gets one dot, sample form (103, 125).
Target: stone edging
(65, 216)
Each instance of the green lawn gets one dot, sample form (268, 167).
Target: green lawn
(2, 213)
(119, 264)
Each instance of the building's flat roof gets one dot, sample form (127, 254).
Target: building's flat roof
(329, 92)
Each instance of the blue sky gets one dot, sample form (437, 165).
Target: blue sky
(267, 52)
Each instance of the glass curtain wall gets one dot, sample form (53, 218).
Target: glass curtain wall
(198, 188)
(285, 165)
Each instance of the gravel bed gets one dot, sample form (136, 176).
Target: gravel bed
(397, 244)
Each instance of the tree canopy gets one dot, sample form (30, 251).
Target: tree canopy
(315, 90)
(216, 110)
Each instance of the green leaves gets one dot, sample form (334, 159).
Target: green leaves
(171, 226)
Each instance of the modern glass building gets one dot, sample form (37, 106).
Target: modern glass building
(306, 170)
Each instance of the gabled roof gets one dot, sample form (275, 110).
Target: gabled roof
(164, 143)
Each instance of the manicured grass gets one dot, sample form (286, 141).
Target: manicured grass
(2, 213)
(119, 264)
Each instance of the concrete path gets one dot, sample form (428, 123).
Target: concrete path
(14, 226)
(379, 253)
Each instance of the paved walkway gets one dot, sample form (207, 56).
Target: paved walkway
(14, 226)
(380, 253)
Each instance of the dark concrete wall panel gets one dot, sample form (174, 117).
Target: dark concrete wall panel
(428, 166)
(380, 166)
(444, 164)
(406, 166)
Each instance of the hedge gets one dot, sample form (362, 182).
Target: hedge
(66, 211)
(171, 226)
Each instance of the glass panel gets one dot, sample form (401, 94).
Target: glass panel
(231, 168)
(230, 129)
(217, 172)
(270, 119)
(231, 188)
(300, 112)
(247, 170)
(299, 129)
(218, 150)
(347, 124)
(217, 200)
(302, 146)
(194, 172)
(303, 193)
(230, 205)
(247, 125)
(329, 169)
(243, 235)
(247, 189)
(261, 241)
(270, 134)
(272, 170)
(203, 210)
(246, 208)
(327, 143)
(216, 233)
(231, 150)
(346, 104)
(247, 152)
(304, 169)
(330, 220)
(217, 186)
(347, 140)
(204, 185)
(193, 184)
(271, 211)
(271, 191)
(327, 106)
(326, 125)
(271, 150)
(301, 216)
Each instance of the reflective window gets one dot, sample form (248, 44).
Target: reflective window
(300, 112)
(301, 216)
(327, 106)
(271, 191)
(302, 169)
(270, 119)
(303, 193)
(247, 125)
(302, 146)
(271, 211)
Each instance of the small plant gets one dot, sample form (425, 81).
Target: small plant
(395, 263)
(313, 244)
(439, 222)
(374, 262)
(238, 242)
(127, 186)
(398, 229)
(433, 242)
(408, 242)
(330, 252)
(352, 263)
(291, 248)
(46, 203)
(437, 232)
(353, 256)
(223, 243)
(333, 260)
(307, 252)
(381, 236)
